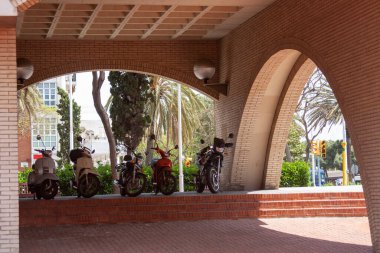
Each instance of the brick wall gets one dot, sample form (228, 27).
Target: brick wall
(172, 59)
(9, 231)
(341, 38)
(24, 149)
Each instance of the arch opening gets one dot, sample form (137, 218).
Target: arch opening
(266, 119)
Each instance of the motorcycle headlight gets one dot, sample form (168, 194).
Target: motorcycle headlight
(220, 150)
(139, 162)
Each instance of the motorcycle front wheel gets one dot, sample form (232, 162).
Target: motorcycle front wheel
(88, 185)
(213, 181)
(48, 189)
(135, 187)
(199, 186)
(167, 183)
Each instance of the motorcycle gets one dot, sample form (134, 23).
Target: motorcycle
(163, 180)
(86, 180)
(132, 180)
(209, 161)
(42, 181)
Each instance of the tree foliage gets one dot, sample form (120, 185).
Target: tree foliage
(130, 93)
(63, 127)
(295, 174)
(333, 159)
(29, 105)
(296, 146)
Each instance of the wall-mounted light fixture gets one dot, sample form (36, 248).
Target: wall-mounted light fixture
(204, 70)
(24, 70)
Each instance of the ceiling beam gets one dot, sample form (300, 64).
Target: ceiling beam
(192, 22)
(159, 21)
(20, 20)
(124, 22)
(90, 21)
(57, 15)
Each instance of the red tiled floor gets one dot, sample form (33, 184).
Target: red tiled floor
(285, 235)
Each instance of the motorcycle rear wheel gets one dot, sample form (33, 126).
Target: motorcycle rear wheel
(167, 183)
(135, 188)
(88, 185)
(213, 182)
(48, 189)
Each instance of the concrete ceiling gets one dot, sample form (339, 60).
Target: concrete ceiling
(135, 19)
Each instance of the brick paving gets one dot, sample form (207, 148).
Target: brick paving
(287, 235)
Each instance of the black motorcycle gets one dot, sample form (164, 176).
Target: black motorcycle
(132, 180)
(210, 162)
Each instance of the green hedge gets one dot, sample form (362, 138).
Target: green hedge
(65, 174)
(295, 174)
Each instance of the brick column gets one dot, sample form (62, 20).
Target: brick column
(9, 213)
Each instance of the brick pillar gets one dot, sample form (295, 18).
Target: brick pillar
(9, 213)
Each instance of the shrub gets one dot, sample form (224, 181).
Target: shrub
(105, 177)
(295, 174)
(23, 175)
(65, 174)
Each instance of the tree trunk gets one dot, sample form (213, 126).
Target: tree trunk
(349, 161)
(96, 86)
(149, 144)
(288, 154)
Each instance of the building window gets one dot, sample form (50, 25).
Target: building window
(47, 128)
(48, 92)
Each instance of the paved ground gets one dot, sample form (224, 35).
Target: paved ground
(285, 235)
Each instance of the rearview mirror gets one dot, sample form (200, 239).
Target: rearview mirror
(152, 137)
(93, 151)
(202, 141)
(38, 137)
(53, 148)
(228, 145)
(231, 135)
(176, 147)
(79, 138)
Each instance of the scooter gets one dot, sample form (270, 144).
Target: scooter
(42, 181)
(85, 180)
(132, 180)
(163, 180)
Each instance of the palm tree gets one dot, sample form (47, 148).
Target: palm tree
(197, 113)
(164, 112)
(325, 111)
(29, 105)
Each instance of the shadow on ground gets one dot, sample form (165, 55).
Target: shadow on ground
(219, 236)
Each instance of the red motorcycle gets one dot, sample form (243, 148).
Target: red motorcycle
(163, 180)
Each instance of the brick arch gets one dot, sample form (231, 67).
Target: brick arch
(258, 166)
(128, 65)
(281, 123)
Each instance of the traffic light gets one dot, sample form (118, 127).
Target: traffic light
(323, 149)
(315, 147)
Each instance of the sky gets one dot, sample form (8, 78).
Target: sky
(83, 97)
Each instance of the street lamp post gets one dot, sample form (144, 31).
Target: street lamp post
(71, 112)
(181, 183)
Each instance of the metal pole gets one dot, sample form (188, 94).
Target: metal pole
(344, 155)
(71, 112)
(313, 169)
(319, 171)
(181, 184)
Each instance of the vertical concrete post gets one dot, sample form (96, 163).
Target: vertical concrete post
(9, 213)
